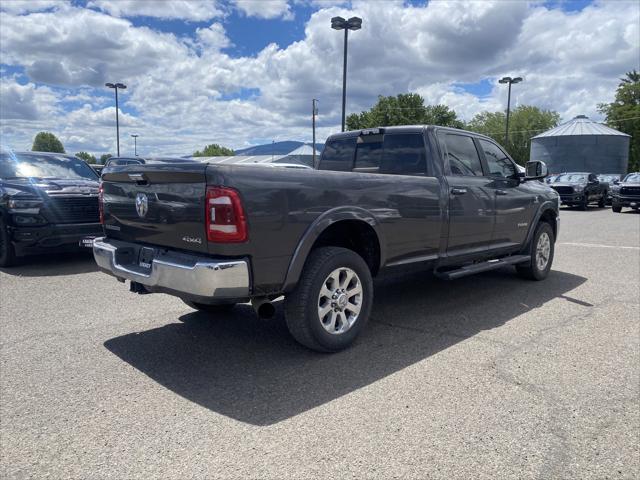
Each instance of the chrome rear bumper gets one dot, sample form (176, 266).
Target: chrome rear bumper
(192, 275)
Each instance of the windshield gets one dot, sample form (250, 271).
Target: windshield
(34, 165)
(608, 178)
(633, 178)
(571, 178)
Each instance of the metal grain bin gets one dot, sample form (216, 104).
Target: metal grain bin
(582, 145)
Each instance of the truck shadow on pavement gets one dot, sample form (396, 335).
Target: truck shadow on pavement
(254, 372)
(53, 264)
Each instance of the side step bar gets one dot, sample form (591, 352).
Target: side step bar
(483, 266)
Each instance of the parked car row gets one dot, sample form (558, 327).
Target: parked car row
(580, 189)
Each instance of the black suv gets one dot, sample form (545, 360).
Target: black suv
(48, 202)
(626, 193)
(579, 189)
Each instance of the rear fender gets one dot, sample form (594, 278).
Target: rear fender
(315, 230)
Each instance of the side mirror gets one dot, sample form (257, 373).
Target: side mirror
(594, 182)
(535, 170)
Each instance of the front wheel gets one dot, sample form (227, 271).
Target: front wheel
(616, 208)
(603, 201)
(7, 252)
(541, 251)
(585, 204)
(332, 301)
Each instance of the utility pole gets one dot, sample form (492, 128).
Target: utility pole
(314, 112)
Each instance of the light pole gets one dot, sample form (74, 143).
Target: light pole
(117, 86)
(339, 23)
(314, 112)
(135, 143)
(510, 81)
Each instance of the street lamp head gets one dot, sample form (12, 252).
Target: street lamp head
(121, 85)
(135, 135)
(516, 80)
(354, 23)
(110, 85)
(505, 80)
(338, 23)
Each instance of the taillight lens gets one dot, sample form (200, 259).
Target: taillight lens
(101, 203)
(225, 219)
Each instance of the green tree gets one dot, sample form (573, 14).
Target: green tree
(525, 121)
(624, 114)
(47, 142)
(104, 157)
(87, 157)
(403, 109)
(214, 150)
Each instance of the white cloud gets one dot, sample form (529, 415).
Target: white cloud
(190, 10)
(265, 8)
(26, 102)
(26, 6)
(186, 92)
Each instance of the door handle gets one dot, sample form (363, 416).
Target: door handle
(458, 191)
(501, 192)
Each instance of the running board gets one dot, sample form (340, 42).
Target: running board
(483, 267)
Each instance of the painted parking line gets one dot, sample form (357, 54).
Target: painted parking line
(599, 245)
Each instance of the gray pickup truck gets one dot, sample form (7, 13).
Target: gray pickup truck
(217, 235)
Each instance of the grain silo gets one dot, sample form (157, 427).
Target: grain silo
(582, 145)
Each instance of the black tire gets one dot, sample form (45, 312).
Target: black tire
(7, 252)
(603, 201)
(616, 208)
(301, 305)
(203, 307)
(531, 270)
(585, 203)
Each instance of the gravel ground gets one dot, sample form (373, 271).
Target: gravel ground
(486, 377)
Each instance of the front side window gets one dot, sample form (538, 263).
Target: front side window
(462, 155)
(499, 164)
(338, 155)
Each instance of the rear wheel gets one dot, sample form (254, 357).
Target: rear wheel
(203, 307)
(616, 208)
(332, 301)
(541, 251)
(7, 252)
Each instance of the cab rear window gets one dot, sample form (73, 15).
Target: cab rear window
(338, 155)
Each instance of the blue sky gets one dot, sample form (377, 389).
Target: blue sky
(237, 72)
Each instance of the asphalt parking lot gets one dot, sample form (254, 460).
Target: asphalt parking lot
(486, 377)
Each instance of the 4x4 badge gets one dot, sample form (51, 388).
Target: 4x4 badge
(142, 204)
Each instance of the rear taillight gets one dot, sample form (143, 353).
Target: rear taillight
(225, 218)
(101, 203)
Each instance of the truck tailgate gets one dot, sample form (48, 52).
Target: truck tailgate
(157, 204)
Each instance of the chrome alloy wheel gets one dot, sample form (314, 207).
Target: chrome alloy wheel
(543, 251)
(340, 301)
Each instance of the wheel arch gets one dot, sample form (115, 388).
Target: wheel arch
(349, 227)
(546, 213)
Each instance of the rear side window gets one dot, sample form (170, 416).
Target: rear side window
(397, 154)
(338, 155)
(404, 154)
(462, 155)
(499, 164)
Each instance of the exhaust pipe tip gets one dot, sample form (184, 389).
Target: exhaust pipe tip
(263, 308)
